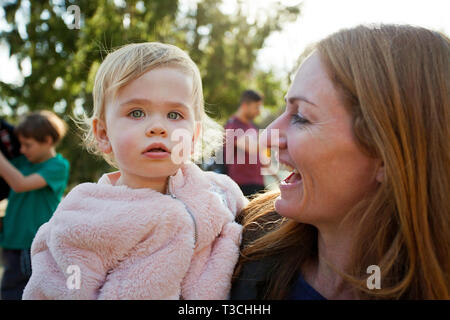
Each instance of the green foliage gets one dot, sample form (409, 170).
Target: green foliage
(64, 61)
(226, 52)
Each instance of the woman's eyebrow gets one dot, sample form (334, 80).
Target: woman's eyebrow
(291, 100)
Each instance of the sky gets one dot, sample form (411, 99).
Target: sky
(318, 19)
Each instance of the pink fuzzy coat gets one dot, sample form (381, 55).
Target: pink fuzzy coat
(139, 243)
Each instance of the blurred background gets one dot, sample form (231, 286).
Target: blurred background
(238, 45)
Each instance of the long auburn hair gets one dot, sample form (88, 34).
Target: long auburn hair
(394, 80)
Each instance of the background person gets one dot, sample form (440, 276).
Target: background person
(366, 133)
(37, 179)
(246, 173)
(10, 148)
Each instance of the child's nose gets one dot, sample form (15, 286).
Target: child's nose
(156, 131)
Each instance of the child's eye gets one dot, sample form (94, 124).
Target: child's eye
(136, 114)
(174, 115)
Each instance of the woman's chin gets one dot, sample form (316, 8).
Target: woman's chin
(286, 208)
(290, 199)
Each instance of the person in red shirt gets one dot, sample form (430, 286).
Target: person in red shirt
(241, 151)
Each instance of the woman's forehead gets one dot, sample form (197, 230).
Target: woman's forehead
(313, 85)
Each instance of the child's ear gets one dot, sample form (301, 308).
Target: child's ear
(99, 129)
(380, 174)
(49, 140)
(197, 130)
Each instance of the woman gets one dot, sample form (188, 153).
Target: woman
(366, 135)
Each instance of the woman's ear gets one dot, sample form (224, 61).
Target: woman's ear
(99, 130)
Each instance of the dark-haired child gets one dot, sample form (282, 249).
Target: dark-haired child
(37, 179)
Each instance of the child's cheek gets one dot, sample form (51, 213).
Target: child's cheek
(125, 147)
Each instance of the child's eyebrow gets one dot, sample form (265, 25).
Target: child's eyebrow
(146, 102)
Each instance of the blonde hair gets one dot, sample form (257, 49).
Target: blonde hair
(42, 124)
(128, 63)
(394, 80)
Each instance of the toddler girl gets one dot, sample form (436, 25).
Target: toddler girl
(160, 227)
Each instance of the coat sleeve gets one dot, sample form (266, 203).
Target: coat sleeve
(72, 252)
(211, 269)
(235, 199)
(78, 275)
(214, 281)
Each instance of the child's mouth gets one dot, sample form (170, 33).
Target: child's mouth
(156, 151)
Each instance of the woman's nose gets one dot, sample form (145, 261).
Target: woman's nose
(273, 137)
(156, 131)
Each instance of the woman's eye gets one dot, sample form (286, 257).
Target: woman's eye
(174, 115)
(136, 114)
(298, 119)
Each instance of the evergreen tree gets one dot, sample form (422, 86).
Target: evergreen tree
(64, 60)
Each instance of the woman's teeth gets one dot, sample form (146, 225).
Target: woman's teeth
(293, 175)
(285, 167)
